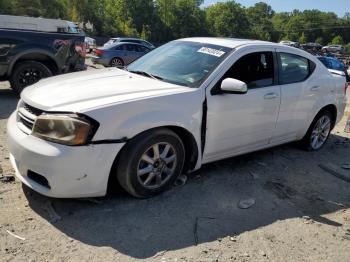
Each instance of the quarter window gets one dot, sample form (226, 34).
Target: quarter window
(255, 69)
(294, 68)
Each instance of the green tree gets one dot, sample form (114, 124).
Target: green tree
(347, 47)
(227, 20)
(28, 7)
(6, 7)
(319, 40)
(337, 40)
(302, 39)
(259, 17)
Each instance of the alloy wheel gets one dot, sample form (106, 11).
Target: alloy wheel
(157, 165)
(320, 132)
(116, 62)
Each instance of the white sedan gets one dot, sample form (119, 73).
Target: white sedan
(188, 102)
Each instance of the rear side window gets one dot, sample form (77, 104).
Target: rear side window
(122, 47)
(131, 48)
(142, 49)
(255, 69)
(294, 68)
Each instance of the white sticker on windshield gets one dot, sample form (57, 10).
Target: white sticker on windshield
(211, 51)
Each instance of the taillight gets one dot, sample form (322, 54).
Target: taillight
(99, 52)
(81, 49)
(346, 87)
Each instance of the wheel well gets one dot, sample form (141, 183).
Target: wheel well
(333, 110)
(190, 144)
(191, 152)
(42, 58)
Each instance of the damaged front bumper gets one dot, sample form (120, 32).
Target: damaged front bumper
(57, 170)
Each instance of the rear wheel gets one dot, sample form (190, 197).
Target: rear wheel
(116, 62)
(318, 132)
(28, 73)
(150, 163)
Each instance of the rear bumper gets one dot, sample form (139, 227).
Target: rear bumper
(81, 171)
(101, 61)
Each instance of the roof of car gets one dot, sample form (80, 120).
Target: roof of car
(126, 43)
(227, 42)
(127, 38)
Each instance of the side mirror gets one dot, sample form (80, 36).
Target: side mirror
(231, 85)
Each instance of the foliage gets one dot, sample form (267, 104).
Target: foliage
(337, 40)
(163, 20)
(347, 47)
(227, 20)
(302, 39)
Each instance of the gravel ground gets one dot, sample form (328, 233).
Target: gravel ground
(301, 213)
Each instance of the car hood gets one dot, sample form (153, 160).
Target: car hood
(81, 91)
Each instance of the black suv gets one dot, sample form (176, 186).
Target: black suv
(27, 56)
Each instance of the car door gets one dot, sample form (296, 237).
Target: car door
(300, 90)
(132, 53)
(238, 123)
(120, 51)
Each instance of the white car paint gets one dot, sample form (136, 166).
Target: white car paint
(126, 104)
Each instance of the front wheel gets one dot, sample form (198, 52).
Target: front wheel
(28, 73)
(150, 163)
(318, 132)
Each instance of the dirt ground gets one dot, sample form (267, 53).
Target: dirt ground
(301, 212)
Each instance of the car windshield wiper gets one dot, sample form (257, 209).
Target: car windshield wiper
(147, 74)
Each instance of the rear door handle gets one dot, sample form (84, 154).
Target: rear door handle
(315, 88)
(270, 96)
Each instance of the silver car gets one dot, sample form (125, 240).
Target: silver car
(120, 54)
(333, 48)
(129, 40)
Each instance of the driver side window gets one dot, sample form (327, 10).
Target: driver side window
(255, 69)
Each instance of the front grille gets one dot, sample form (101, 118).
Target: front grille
(33, 110)
(26, 116)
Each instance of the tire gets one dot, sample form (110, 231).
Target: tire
(146, 178)
(27, 73)
(116, 62)
(315, 137)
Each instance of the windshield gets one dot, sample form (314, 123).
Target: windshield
(72, 28)
(181, 62)
(110, 41)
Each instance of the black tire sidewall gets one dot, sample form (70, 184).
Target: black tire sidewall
(14, 79)
(128, 164)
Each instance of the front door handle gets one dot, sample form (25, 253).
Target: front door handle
(315, 88)
(270, 96)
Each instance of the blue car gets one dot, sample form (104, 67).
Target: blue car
(119, 54)
(335, 64)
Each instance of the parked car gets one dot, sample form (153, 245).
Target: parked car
(290, 43)
(311, 47)
(184, 104)
(28, 56)
(129, 40)
(90, 44)
(333, 48)
(119, 54)
(37, 24)
(335, 64)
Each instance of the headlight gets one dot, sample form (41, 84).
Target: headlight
(63, 129)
